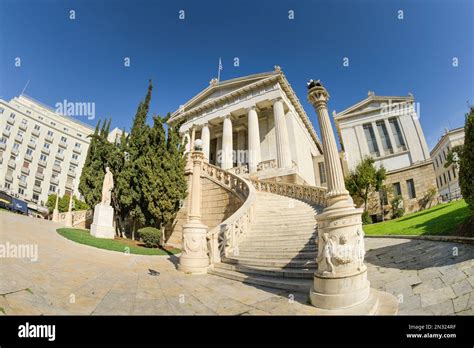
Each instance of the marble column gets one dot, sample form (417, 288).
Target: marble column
(254, 152)
(194, 258)
(227, 161)
(340, 281)
(206, 141)
(193, 137)
(281, 133)
(56, 208)
(69, 221)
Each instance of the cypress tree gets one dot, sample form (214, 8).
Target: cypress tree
(466, 165)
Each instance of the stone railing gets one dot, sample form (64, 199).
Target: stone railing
(311, 194)
(271, 164)
(224, 239)
(78, 217)
(239, 170)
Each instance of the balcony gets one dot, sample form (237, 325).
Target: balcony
(54, 181)
(32, 144)
(69, 185)
(12, 164)
(74, 161)
(63, 144)
(35, 132)
(59, 156)
(15, 151)
(45, 150)
(28, 158)
(3, 146)
(19, 139)
(39, 176)
(42, 163)
(6, 133)
(23, 126)
(49, 138)
(37, 189)
(56, 168)
(71, 173)
(77, 150)
(22, 184)
(9, 178)
(11, 121)
(25, 170)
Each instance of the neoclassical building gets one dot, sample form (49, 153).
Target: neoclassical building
(255, 125)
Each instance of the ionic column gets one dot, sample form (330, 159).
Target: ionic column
(254, 152)
(206, 141)
(193, 137)
(227, 162)
(281, 132)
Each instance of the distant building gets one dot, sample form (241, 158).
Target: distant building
(447, 179)
(388, 129)
(41, 151)
(115, 135)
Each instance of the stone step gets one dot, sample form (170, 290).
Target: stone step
(309, 255)
(300, 232)
(279, 244)
(270, 262)
(297, 285)
(301, 273)
(281, 224)
(277, 249)
(309, 238)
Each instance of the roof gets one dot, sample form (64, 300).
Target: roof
(219, 90)
(444, 136)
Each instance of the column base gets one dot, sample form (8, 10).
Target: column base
(377, 303)
(194, 258)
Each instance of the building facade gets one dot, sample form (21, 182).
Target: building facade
(388, 129)
(255, 126)
(447, 179)
(41, 151)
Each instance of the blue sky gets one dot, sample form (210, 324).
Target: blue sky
(82, 59)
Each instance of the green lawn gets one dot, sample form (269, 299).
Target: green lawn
(84, 237)
(443, 219)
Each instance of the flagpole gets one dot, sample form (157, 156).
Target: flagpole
(219, 70)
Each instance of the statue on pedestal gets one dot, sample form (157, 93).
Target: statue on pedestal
(107, 187)
(103, 224)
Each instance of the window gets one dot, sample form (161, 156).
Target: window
(2, 110)
(449, 175)
(7, 185)
(61, 150)
(454, 173)
(24, 121)
(16, 146)
(52, 188)
(3, 140)
(397, 189)
(8, 127)
(33, 140)
(37, 127)
(22, 178)
(437, 183)
(72, 168)
(50, 133)
(444, 155)
(63, 139)
(57, 162)
(397, 133)
(437, 164)
(38, 183)
(440, 159)
(40, 170)
(322, 172)
(78, 145)
(12, 116)
(46, 145)
(371, 141)
(411, 188)
(79, 135)
(444, 176)
(26, 164)
(66, 129)
(41, 117)
(35, 197)
(29, 151)
(75, 156)
(43, 158)
(53, 123)
(21, 191)
(383, 134)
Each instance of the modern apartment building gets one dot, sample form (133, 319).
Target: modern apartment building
(41, 151)
(388, 129)
(447, 179)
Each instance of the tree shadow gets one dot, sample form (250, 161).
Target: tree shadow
(416, 215)
(418, 254)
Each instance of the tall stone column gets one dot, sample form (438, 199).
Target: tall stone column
(193, 137)
(281, 133)
(254, 152)
(69, 212)
(194, 258)
(56, 208)
(206, 141)
(340, 281)
(227, 161)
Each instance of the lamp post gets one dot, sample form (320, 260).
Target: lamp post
(340, 281)
(194, 258)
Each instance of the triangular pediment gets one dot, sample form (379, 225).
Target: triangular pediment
(372, 103)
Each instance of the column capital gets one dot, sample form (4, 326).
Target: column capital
(277, 99)
(317, 94)
(250, 108)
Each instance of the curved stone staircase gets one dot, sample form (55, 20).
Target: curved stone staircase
(279, 248)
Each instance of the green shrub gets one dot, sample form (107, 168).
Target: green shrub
(366, 218)
(150, 236)
(397, 207)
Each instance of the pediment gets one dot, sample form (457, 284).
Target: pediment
(372, 103)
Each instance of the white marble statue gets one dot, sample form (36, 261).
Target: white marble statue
(327, 252)
(360, 247)
(107, 187)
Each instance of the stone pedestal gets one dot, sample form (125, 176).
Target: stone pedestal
(102, 226)
(55, 215)
(194, 258)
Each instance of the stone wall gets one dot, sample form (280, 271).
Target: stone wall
(217, 205)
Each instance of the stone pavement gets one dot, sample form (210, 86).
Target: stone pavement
(69, 278)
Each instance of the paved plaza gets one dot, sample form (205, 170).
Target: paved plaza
(69, 278)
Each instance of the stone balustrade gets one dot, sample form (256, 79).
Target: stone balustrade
(310, 194)
(225, 237)
(79, 217)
